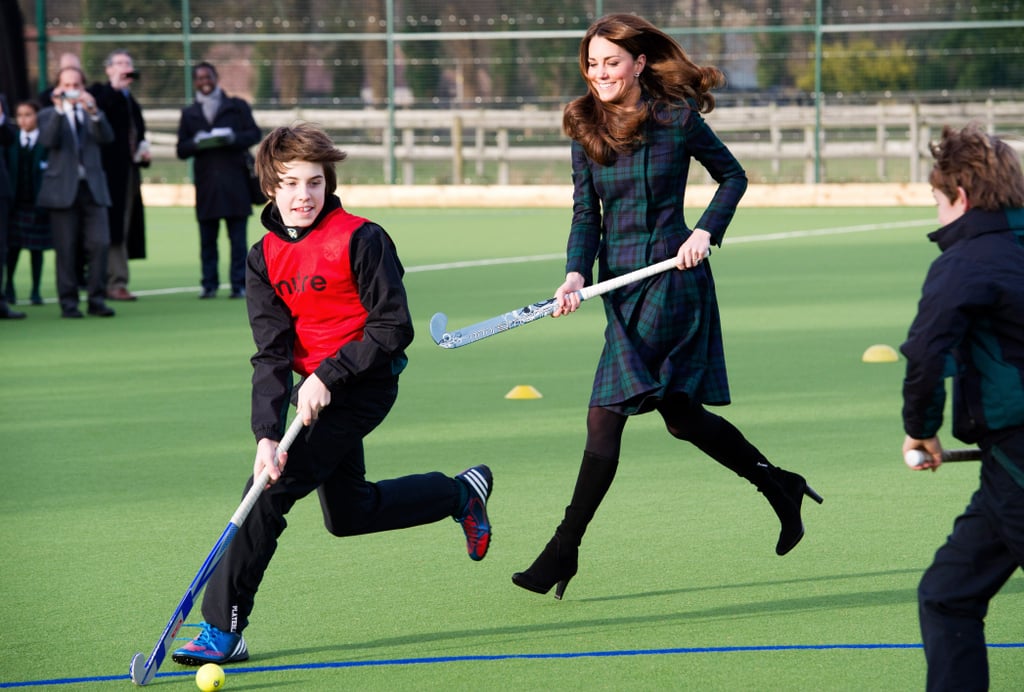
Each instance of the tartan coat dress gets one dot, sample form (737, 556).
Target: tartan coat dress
(664, 334)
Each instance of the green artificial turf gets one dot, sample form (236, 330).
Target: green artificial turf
(127, 445)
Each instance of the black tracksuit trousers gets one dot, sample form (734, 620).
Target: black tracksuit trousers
(985, 548)
(327, 458)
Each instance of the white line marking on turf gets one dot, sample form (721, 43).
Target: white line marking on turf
(784, 235)
(485, 262)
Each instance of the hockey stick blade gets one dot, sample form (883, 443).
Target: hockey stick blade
(142, 671)
(438, 325)
(482, 330)
(532, 312)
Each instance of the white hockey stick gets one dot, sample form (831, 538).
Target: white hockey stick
(530, 313)
(916, 457)
(142, 672)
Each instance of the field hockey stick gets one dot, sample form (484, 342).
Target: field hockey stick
(916, 457)
(143, 672)
(533, 312)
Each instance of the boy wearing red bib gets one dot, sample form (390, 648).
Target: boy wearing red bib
(326, 302)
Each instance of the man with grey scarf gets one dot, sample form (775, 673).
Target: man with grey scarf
(217, 130)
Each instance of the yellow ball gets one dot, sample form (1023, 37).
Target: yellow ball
(210, 677)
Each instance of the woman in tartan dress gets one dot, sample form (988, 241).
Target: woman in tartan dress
(633, 136)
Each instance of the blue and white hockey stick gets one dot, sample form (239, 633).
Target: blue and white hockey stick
(143, 672)
(530, 313)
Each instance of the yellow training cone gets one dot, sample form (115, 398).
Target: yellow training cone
(523, 391)
(880, 353)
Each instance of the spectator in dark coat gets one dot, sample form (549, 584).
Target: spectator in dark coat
(218, 130)
(8, 135)
(122, 159)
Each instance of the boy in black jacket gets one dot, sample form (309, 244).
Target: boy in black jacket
(326, 301)
(970, 325)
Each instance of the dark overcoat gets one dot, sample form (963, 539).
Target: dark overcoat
(664, 334)
(8, 135)
(126, 214)
(221, 173)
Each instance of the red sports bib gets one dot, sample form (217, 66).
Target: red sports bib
(313, 276)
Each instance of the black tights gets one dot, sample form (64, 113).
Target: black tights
(36, 259)
(685, 420)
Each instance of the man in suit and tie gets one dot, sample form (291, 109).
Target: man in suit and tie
(74, 189)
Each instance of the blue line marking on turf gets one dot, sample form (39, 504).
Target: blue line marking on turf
(237, 670)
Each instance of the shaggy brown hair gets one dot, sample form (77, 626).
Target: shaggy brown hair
(670, 79)
(986, 167)
(301, 142)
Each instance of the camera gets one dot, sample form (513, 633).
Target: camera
(71, 94)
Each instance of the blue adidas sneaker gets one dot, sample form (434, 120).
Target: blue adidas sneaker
(212, 646)
(473, 517)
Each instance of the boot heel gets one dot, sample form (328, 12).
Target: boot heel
(809, 492)
(555, 566)
(560, 588)
(785, 491)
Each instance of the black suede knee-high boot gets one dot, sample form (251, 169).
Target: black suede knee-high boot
(558, 562)
(784, 490)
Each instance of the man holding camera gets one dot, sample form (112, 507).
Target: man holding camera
(122, 159)
(74, 189)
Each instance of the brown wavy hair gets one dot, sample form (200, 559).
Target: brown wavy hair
(669, 81)
(986, 167)
(301, 142)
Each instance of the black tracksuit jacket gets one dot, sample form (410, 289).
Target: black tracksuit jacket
(970, 325)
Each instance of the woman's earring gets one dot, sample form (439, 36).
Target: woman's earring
(636, 74)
